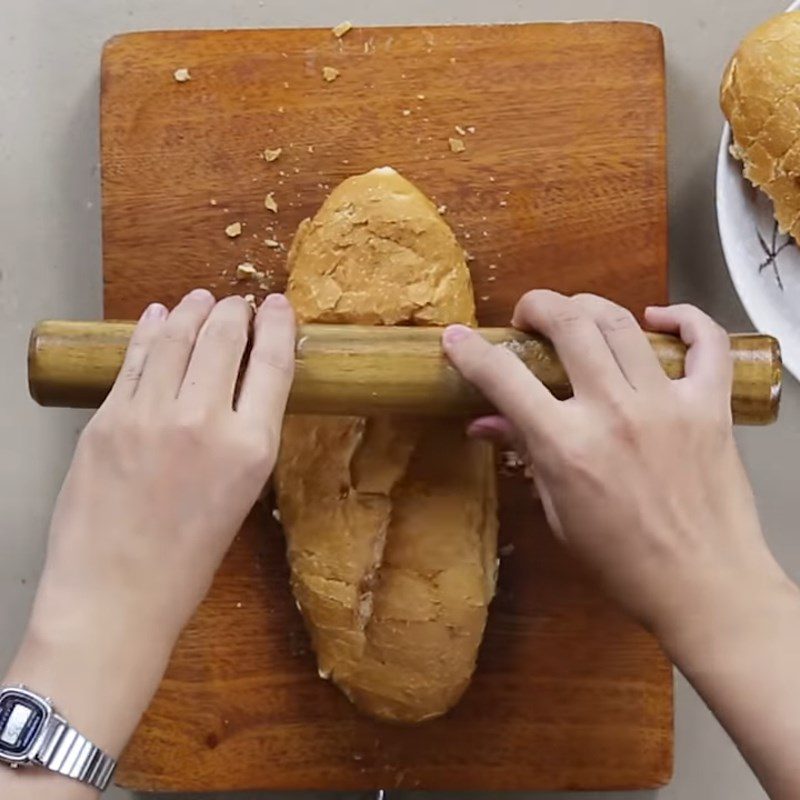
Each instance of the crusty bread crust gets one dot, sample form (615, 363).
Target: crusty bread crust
(760, 96)
(391, 524)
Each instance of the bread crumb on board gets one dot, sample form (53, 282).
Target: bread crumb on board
(182, 75)
(460, 130)
(272, 243)
(330, 73)
(270, 203)
(276, 514)
(510, 461)
(342, 29)
(406, 112)
(442, 209)
(272, 155)
(456, 145)
(212, 202)
(247, 270)
(233, 230)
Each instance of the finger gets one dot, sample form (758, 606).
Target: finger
(169, 356)
(504, 380)
(210, 380)
(708, 360)
(626, 340)
(495, 429)
(144, 334)
(581, 347)
(270, 369)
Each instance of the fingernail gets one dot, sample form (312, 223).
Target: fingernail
(155, 311)
(478, 428)
(200, 294)
(276, 301)
(456, 333)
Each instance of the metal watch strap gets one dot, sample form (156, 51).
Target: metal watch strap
(65, 751)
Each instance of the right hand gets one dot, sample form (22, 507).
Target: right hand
(639, 475)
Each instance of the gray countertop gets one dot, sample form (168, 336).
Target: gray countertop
(50, 259)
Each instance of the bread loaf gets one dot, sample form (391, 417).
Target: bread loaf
(760, 96)
(391, 524)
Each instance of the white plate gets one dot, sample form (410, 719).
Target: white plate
(764, 265)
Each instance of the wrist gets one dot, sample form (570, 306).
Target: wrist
(725, 612)
(100, 680)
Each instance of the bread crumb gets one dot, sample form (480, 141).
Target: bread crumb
(342, 29)
(272, 243)
(233, 230)
(330, 73)
(245, 270)
(251, 301)
(310, 148)
(406, 112)
(456, 145)
(492, 179)
(276, 514)
(272, 155)
(492, 278)
(182, 75)
(442, 209)
(270, 204)
(460, 131)
(452, 59)
(503, 203)
(286, 84)
(485, 298)
(471, 129)
(420, 97)
(212, 202)
(468, 256)
(238, 605)
(510, 460)
(492, 266)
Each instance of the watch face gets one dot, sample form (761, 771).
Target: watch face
(21, 719)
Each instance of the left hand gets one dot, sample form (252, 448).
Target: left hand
(163, 477)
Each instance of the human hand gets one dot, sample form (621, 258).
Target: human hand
(163, 476)
(639, 475)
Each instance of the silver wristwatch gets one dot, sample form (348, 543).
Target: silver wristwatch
(32, 734)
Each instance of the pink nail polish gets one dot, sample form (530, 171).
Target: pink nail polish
(456, 333)
(276, 301)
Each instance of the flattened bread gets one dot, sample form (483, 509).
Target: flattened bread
(391, 524)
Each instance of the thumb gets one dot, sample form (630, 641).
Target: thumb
(503, 379)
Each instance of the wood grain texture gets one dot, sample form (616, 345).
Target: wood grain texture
(366, 371)
(562, 185)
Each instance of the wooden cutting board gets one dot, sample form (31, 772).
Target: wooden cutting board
(561, 185)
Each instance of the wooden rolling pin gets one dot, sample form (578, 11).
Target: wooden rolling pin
(350, 369)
